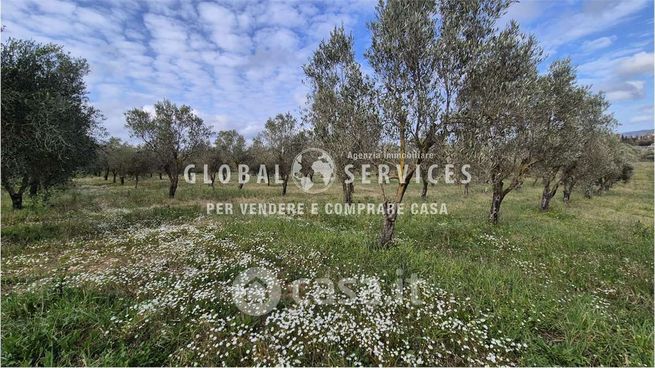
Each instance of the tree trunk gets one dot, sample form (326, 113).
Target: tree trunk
(496, 201)
(284, 185)
(568, 189)
(567, 196)
(34, 188)
(160, 177)
(348, 189)
(466, 189)
(136, 181)
(547, 194)
(106, 173)
(391, 210)
(16, 201)
(389, 226)
(173, 187)
(114, 174)
(122, 180)
(16, 196)
(545, 200)
(424, 189)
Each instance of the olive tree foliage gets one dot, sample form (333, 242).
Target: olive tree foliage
(284, 141)
(231, 148)
(560, 127)
(604, 163)
(342, 106)
(212, 157)
(498, 101)
(142, 162)
(120, 158)
(261, 154)
(466, 28)
(174, 134)
(590, 158)
(403, 55)
(48, 126)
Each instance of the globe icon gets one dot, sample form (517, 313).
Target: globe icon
(313, 170)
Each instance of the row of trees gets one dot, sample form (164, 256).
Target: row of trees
(447, 81)
(173, 141)
(447, 85)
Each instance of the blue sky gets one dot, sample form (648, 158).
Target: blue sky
(239, 62)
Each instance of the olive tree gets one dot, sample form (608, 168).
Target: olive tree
(559, 127)
(119, 159)
(342, 107)
(592, 157)
(498, 100)
(48, 126)
(466, 28)
(141, 163)
(231, 147)
(174, 134)
(281, 136)
(261, 154)
(403, 55)
(210, 156)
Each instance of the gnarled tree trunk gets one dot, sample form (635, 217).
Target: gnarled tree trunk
(16, 196)
(16, 200)
(424, 189)
(547, 194)
(34, 187)
(348, 189)
(389, 225)
(568, 189)
(173, 187)
(285, 182)
(391, 211)
(496, 200)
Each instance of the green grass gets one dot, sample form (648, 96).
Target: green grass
(574, 284)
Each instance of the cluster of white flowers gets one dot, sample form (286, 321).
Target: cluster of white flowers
(183, 274)
(498, 243)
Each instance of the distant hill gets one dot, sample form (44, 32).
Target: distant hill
(637, 133)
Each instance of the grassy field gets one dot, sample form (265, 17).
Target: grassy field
(115, 275)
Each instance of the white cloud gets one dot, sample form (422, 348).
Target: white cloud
(629, 90)
(569, 25)
(609, 73)
(639, 63)
(222, 23)
(598, 43)
(239, 63)
(56, 6)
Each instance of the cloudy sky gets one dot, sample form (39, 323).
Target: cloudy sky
(239, 62)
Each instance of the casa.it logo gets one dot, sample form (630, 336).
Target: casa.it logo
(256, 291)
(313, 170)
